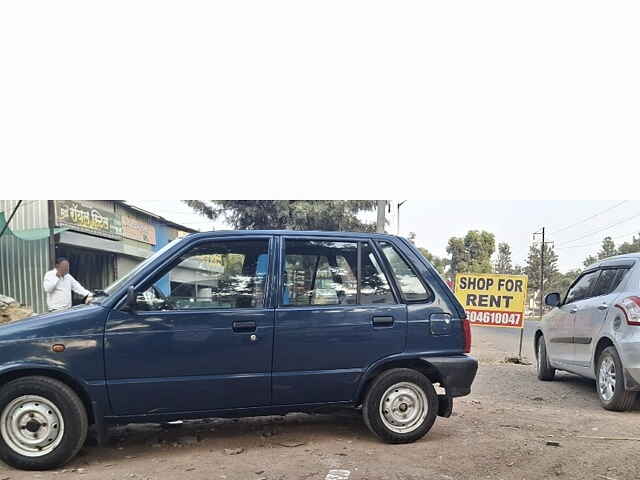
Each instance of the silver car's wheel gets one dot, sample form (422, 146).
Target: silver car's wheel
(607, 379)
(31, 425)
(610, 382)
(403, 407)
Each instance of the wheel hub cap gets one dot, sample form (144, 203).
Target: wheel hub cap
(403, 407)
(31, 425)
(607, 379)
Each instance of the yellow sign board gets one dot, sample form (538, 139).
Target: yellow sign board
(492, 300)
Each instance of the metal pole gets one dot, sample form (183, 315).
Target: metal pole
(542, 276)
(398, 219)
(6, 225)
(52, 224)
(381, 220)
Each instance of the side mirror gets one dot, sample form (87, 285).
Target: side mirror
(552, 299)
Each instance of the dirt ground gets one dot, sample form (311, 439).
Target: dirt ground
(500, 431)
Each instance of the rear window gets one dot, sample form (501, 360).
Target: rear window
(412, 289)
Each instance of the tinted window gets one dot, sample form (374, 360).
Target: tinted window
(375, 286)
(582, 287)
(320, 272)
(408, 282)
(609, 279)
(229, 274)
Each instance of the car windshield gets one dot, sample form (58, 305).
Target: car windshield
(121, 281)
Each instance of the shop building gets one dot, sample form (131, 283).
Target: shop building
(103, 240)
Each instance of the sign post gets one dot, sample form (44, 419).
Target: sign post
(493, 300)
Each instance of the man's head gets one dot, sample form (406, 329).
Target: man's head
(62, 265)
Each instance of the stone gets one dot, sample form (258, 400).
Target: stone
(233, 451)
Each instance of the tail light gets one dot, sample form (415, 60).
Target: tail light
(630, 306)
(466, 328)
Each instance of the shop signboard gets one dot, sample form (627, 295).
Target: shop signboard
(492, 300)
(77, 216)
(135, 229)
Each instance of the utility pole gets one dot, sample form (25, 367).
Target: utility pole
(381, 219)
(398, 219)
(51, 211)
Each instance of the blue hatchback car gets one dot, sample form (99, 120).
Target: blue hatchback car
(232, 324)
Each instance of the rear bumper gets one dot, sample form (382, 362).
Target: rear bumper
(457, 373)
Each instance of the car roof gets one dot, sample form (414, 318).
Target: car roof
(299, 233)
(625, 260)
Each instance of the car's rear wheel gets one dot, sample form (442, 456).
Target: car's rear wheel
(43, 423)
(545, 371)
(401, 406)
(610, 382)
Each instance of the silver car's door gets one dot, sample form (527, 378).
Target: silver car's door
(574, 303)
(591, 317)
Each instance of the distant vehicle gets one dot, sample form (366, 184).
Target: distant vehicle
(594, 331)
(234, 324)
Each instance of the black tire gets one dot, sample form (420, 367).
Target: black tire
(371, 407)
(73, 415)
(546, 372)
(622, 399)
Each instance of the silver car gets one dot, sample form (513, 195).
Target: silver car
(594, 331)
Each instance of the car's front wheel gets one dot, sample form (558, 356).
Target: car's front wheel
(545, 371)
(43, 423)
(401, 406)
(610, 382)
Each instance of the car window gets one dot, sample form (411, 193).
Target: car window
(409, 283)
(223, 274)
(608, 281)
(375, 285)
(318, 272)
(582, 288)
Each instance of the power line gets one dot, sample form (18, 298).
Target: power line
(598, 243)
(602, 229)
(589, 218)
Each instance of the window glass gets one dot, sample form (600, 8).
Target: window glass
(228, 274)
(320, 272)
(375, 286)
(609, 279)
(582, 288)
(408, 282)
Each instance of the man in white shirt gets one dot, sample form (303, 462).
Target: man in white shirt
(58, 284)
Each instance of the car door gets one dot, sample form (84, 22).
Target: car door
(561, 340)
(593, 312)
(207, 344)
(337, 314)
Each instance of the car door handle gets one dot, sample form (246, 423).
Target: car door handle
(573, 310)
(244, 326)
(603, 306)
(382, 321)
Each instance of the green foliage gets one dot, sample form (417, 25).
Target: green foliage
(340, 215)
(439, 263)
(562, 281)
(503, 261)
(471, 253)
(630, 247)
(532, 269)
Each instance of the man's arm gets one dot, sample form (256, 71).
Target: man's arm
(50, 281)
(79, 289)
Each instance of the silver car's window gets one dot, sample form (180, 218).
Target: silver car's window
(583, 287)
(608, 281)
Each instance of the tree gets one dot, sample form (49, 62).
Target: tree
(630, 247)
(471, 253)
(503, 262)
(439, 263)
(608, 250)
(561, 282)
(341, 215)
(532, 269)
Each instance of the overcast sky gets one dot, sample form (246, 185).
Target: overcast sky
(435, 221)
